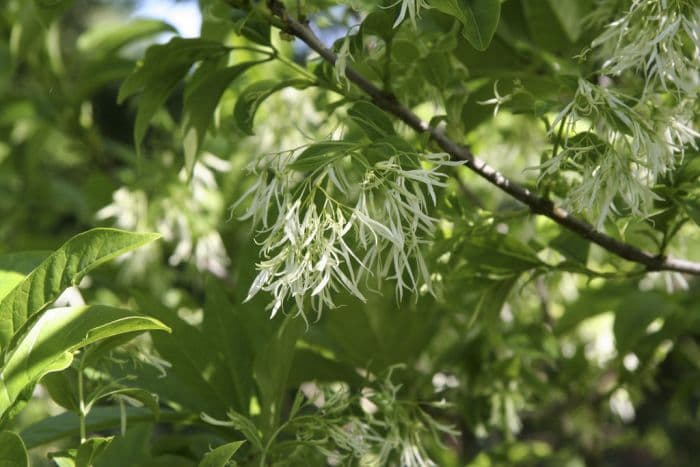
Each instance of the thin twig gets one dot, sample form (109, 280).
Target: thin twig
(537, 205)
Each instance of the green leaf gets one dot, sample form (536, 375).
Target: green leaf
(202, 95)
(319, 154)
(12, 450)
(220, 456)
(254, 95)
(131, 448)
(62, 386)
(227, 339)
(141, 396)
(163, 59)
(691, 206)
(106, 39)
(49, 344)
(14, 267)
(379, 23)
(63, 268)
(633, 316)
(67, 424)
(372, 120)
(479, 18)
(497, 255)
(251, 25)
(572, 246)
(271, 369)
(569, 14)
(163, 67)
(91, 449)
(492, 300)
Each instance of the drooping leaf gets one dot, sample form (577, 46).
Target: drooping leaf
(163, 67)
(220, 456)
(372, 120)
(12, 450)
(133, 395)
(130, 448)
(569, 14)
(50, 342)
(67, 424)
(106, 39)
(479, 18)
(571, 246)
(202, 96)
(197, 381)
(271, 369)
(224, 329)
(163, 59)
(62, 386)
(251, 25)
(90, 450)
(63, 268)
(254, 95)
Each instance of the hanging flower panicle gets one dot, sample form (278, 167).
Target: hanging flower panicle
(660, 39)
(334, 230)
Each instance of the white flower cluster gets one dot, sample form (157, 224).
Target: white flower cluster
(384, 428)
(659, 39)
(346, 222)
(616, 151)
(621, 144)
(186, 215)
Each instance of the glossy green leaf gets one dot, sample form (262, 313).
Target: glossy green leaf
(254, 95)
(49, 344)
(479, 18)
(63, 268)
(12, 450)
(220, 456)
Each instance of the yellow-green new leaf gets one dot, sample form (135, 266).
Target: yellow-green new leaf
(63, 268)
(49, 344)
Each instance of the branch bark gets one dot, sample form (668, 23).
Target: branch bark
(536, 204)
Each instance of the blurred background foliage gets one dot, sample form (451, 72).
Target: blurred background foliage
(530, 357)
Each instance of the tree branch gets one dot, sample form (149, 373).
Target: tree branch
(536, 204)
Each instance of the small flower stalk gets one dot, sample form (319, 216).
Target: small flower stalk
(410, 8)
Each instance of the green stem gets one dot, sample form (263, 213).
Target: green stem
(83, 410)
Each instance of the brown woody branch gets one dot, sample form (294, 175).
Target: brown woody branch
(536, 204)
